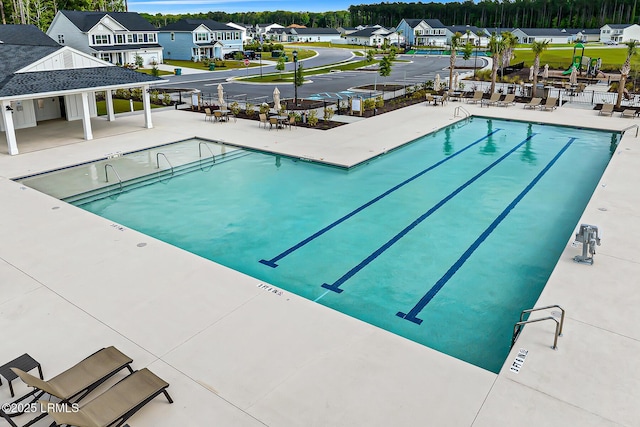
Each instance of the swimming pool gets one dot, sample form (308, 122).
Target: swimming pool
(443, 241)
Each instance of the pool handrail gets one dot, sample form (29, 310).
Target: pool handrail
(166, 158)
(559, 325)
(209, 148)
(106, 175)
(631, 127)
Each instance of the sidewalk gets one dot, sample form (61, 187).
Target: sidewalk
(185, 70)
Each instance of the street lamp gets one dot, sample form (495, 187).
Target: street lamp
(475, 64)
(260, 53)
(295, 76)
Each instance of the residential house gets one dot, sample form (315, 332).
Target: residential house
(264, 31)
(619, 33)
(553, 35)
(423, 32)
(244, 30)
(41, 80)
(374, 36)
(306, 35)
(587, 35)
(196, 39)
(474, 35)
(116, 37)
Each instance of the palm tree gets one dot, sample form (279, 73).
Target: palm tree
(510, 42)
(456, 42)
(632, 48)
(537, 48)
(496, 47)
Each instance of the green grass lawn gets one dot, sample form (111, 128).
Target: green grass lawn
(287, 77)
(328, 44)
(228, 64)
(612, 57)
(121, 106)
(148, 71)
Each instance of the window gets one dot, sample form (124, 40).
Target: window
(237, 36)
(152, 38)
(131, 38)
(61, 38)
(101, 39)
(119, 38)
(105, 57)
(202, 37)
(173, 37)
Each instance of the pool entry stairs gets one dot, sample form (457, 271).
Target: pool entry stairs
(517, 328)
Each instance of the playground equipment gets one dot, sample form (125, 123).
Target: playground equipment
(580, 62)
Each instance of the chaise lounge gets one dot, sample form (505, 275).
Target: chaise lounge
(509, 99)
(116, 405)
(534, 103)
(550, 104)
(75, 383)
(606, 109)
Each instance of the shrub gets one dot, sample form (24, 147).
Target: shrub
(154, 96)
(379, 102)
(122, 94)
(264, 108)
(206, 62)
(369, 104)
(139, 61)
(136, 93)
(166, 99)
(154, 71)
(312, 118)
(249, 109)
(328, 113)
(235, 108)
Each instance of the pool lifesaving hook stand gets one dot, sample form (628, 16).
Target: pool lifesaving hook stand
(589, 237)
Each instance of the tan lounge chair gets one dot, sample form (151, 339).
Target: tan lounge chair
(509, 99)
(534, 103)
(76, 382)
(495, 97)
(629, 112)
(116, 405)
(263, 120)
(550, 104)
(477, 97)
(606, 109)
(208, 115)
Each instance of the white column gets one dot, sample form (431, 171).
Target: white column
(146, 105)
(9, 129)
(86, 116)
(111, 115)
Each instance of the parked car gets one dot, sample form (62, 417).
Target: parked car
(611, 42)
(250, 54)
(232, 54)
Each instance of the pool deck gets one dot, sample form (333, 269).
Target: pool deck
(237, 354)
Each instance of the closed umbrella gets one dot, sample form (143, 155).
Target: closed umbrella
(276, 99)
(573, 78)
(456, 76)
(220, 94)
(531, 73)
(436, 83)
(545, 73)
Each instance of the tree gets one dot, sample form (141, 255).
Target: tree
(370, 55)
(280, 65)
(510, 42)
(537, 48)
(385, 66)
(299, 76)
(496, 46)
(632, 48)
(455, 43)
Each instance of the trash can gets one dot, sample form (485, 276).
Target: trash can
(212, 66)
(178, 71)
(286, 58)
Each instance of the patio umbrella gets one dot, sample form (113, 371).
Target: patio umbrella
(456, 76)
(573, 78)
(276, 99)
(531, 73)
(545, 73)
(436, 83)
(220, 94)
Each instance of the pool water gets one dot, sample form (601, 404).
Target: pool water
(443, 241)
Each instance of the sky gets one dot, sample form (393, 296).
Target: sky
(231, 6)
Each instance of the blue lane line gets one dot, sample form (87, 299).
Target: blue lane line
(335, 286)
(272, 262)
(411, 316)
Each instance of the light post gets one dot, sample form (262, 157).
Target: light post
(260, 53)
(475, 65)
(295, 76)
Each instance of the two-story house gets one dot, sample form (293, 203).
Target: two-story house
(305, 35)
(244, 31)
(116, 37)
(196, 39)
(374, 36)
(423, 32)
(619, 33)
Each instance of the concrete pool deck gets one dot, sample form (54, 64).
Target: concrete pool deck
(236, 353)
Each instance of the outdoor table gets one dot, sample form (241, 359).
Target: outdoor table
(456, 96)
(25, 363)
(282, 120)
(225, 115)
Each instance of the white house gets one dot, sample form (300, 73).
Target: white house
(116, 37)
(263, 30)
(423, 32)
(620, 33)
(306, 35)
(587, 35)
(553, 35)
(243, 28)
(474, 35)
(374, 36)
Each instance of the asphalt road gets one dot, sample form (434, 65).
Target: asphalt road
(334, 85)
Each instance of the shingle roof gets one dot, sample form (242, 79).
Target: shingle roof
(192, 24)
(463, 29)
(124, 47)
(14, 57)
(305, 31)
(64, 80)
(368, 32)
(25, 35)
(619, 26)
(544, 32)
(434, 23)
(413, 22)
(86, 20)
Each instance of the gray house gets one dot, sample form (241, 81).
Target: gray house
(116, 37)
(41, 80)
(195, 39)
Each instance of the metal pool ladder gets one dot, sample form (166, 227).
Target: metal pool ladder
(517, 328)
(106, 174)
(213, 157)
(630, 127)
(459, 109)
(165, 157)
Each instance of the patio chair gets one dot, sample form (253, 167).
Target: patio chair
(208, 115)
(509, 99)
(292, 122)
(477, 97)
(263, 120)
(629, 112)
(550, 104)
(430, 99)
(76, 382)
(534, 103)
(495, 97)
(606, 109)
(116, 405)
(273, 122)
